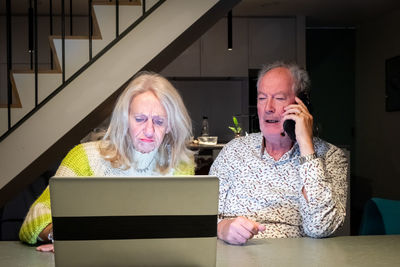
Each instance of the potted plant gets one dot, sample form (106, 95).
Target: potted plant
(236, 129)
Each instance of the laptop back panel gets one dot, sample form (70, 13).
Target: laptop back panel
(148, 221)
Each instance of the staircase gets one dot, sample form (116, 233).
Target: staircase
(76, 54)
(69, 110)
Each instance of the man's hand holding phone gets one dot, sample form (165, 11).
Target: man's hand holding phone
(299, 113)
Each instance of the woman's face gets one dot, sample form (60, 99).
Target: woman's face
(148, 122)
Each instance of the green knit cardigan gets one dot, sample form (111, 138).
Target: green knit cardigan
(82, 160)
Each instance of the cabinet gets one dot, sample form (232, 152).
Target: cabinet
(216, 59)
(271, 39)
(256, 41)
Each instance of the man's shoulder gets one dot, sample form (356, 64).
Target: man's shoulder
(250, 140)
(234, 153)
(320, 143)
(323, 147)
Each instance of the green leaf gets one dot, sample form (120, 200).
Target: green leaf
(235, 121)
(233, 129)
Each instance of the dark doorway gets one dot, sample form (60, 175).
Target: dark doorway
(331, 66)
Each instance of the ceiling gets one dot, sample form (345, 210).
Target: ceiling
(319, 13)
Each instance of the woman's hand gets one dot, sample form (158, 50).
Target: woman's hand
(44, 235)
(46, 248)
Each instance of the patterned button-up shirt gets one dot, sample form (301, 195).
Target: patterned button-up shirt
(254, 185)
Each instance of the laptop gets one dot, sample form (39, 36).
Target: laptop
(135, 221)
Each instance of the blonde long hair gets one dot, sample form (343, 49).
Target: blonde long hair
(117, 146)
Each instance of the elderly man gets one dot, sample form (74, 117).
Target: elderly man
(271, 186)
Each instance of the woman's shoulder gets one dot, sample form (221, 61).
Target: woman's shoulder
(92, 148)
(184, 168)
(84, 150)
(78, 158)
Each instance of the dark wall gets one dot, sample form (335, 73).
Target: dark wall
(331, 65)
(377, 142)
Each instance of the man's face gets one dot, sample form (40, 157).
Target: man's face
(275, 92)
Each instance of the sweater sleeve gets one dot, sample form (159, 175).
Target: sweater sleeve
(38, 217)
(76, 163)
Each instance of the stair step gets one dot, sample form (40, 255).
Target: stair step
(76, 56)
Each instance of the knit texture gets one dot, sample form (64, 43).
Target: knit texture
(85, 160)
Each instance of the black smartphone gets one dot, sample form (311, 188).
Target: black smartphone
(289, 126)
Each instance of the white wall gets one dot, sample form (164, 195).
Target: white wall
(114, 68)
(377, 160)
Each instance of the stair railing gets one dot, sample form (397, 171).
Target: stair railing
(34, 38)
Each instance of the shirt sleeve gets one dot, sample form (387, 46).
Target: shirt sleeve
(325, 182)
(222, 169)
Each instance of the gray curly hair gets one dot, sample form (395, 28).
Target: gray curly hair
(299, 75)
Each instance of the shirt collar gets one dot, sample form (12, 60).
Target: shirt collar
(292, 153)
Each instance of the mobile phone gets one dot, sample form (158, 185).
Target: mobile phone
(289, 126)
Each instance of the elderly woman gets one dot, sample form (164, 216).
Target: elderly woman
(147, 136)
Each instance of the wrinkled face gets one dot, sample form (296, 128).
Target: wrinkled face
(274, 93)
(148, 122)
